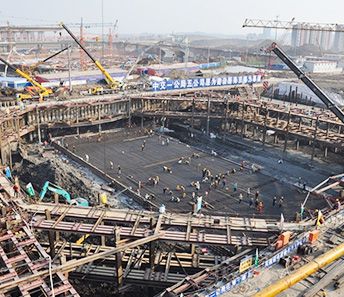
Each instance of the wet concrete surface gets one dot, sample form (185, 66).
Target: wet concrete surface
(136, 165)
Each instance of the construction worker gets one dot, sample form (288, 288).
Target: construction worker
(165, 189)
(256, 194)
(274, 200)
(240, 197)
(235, 187)
(167, 141)
(251, 201)
(16, 190)
(204, 172)
(320, 218)
(256, 202)
(111, 165)
(260, 206)
(280, 202)
(119, 170)
(143, 145)
(337, 205)
(197, 186)
(248, 192)
(87, 158)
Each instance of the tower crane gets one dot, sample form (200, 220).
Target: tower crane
(288, 25)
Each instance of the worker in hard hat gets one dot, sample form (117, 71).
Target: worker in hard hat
(320, 218)
(337, 204)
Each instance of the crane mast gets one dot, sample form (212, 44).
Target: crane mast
(307, 81)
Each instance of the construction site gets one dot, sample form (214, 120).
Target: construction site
(171, 166)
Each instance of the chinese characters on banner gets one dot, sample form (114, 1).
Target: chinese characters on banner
(204, 82)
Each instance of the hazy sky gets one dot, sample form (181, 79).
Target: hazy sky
(162, 16)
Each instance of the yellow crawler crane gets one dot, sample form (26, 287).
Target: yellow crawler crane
(112, 83)
(42, 92)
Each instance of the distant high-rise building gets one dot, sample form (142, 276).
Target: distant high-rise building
(326, 40)
(296, 35)
(302, 35)
(338, 43)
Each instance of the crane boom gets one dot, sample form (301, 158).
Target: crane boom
(43, 90)
(288, 25)
(55, 54)
(307, 81)
(108, 78)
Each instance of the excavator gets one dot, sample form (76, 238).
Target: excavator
(37, 92)
(330, 104)
(114, 85)
(58, 190)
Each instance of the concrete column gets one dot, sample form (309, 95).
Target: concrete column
(325, 152)
(265, 124)
(275, 138)
(193, 113)
(118, 258)
(242, 120)
(50, 236)
(297, 145)
(286, 134)
(129, 112)
(208, 116)
(314, 138)
(38, 126)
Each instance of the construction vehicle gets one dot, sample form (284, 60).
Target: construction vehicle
(37, 91)
(307, 81)
(114, 85)
(61, 192)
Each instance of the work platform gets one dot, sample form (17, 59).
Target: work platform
(138, 166)
(22, 256)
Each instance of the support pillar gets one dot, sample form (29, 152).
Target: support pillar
(38, 126)
(314, 138)
(286, 134)
(265, 124)
(152, 244)
(118, 258)
(129, 112)
(325, 152)
(50, 236)
(10, 154)
(193, 113)
(297, 145)
(208, 116)
(242, 120)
